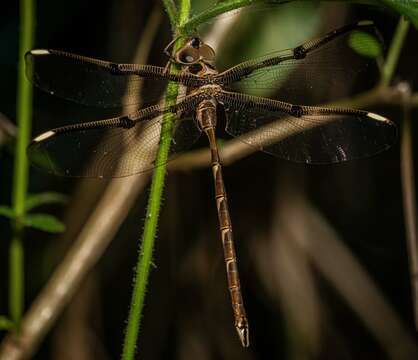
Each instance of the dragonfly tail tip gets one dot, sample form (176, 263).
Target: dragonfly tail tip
(243, 333)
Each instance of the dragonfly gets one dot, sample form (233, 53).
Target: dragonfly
(287, 128)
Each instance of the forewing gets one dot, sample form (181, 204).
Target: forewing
(315, 139)
(89, 81)
(328, 72)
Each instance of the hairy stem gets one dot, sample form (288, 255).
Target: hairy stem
(153, 211)
(171, 11)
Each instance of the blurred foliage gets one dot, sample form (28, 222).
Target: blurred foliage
(366, 44)
(5, 323)
(44, 222)
(35, 200)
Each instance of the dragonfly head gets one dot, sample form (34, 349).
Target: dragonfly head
(195, 56)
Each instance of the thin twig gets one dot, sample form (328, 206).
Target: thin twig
(301, 230)
(338, 265)
(409, 196)
(286, 270)
(170, 8)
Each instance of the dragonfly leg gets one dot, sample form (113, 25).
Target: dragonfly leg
(167, 67)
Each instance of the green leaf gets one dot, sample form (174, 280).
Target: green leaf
(365, 44)
(6, 323)
(220, 7)
(6, 211)
(44, 222)
(35, 200)
(408, 8)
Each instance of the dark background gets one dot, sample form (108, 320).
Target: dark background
(322, 250)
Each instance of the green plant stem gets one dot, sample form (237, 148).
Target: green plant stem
(394, 51)
(171, 10)
(20, 184)
(154, 206)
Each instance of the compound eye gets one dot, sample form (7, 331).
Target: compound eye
(207, 53)
(188, 55)
(195, 42)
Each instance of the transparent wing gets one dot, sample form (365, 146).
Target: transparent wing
(93, 82)
(109, 152)
(317, 71)
(315, 139)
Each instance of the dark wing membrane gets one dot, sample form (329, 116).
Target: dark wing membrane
(321, 70)
(109, 152)
(92, 82)
(316, 139)
(115, 147)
